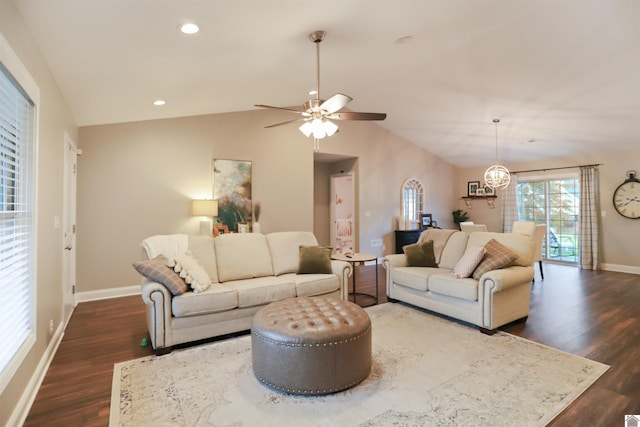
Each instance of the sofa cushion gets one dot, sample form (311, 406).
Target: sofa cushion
(242, 256)
(496, 256)
(157, 270)
(308, 285)
(314, 260)
(413, 277)
(215, 299)
(420, 254)
(203, 250)
(469, 261)
(284, 247)
(262, 290)
(450, 285)
(453, 251)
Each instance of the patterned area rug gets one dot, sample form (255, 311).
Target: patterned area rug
(427, 371)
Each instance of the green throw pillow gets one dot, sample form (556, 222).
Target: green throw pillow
(314, 260)
(420, 254)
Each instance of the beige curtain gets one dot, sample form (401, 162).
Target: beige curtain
(589, 235)
(510, 205)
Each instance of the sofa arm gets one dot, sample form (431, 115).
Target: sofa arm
(394, 260)
(343, 270)
(506, 278)
(157, 299)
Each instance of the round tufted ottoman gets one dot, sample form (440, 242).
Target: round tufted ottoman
(311, 345)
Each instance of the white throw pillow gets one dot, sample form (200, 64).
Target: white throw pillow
(469, 261)
(191, 271)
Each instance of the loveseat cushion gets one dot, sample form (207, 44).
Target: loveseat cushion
(284, 247)
(262, 290)
(215, 299)
(413, 277)
(454, 249)
(242, 256)
(450, 285)
(203, 250)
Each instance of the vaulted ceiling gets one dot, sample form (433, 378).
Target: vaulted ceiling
(562, 75)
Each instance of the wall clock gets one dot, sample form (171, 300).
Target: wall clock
(626, 198)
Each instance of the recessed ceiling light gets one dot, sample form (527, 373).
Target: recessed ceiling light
(159, 102)
(189, 28)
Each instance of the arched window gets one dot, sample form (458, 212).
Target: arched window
(412, 199)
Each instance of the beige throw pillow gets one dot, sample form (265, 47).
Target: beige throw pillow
(495, 257)
(157, 270)
(469, 261)
(191, 272)
(420, 254)
(314, 260)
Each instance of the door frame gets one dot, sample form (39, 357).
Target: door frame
(69, 214)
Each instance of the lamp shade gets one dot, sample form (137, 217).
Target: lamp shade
(204, 208)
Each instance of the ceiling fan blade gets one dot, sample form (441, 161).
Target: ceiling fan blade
(279, 108)
(335, 103)
(357, 116)
(284, 123)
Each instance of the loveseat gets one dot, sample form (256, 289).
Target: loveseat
(490, 300)
(246, 271)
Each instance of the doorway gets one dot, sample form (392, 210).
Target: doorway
(69, 227)
(342, 212)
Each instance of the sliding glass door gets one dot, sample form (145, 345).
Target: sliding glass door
(555, 202)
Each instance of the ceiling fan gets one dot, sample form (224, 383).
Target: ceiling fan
(318, 113)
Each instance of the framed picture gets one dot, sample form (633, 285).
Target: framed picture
(472, 188)
(488, 191)
(243, 227)
(220, 229)
(426, 220)
(480, 191)
(232, 189)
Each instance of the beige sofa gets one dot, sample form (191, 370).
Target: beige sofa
(247, 271)
(497, 298)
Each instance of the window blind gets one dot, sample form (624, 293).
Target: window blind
(17, 142)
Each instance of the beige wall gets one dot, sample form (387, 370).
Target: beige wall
(620, 236)
(54, 121)
(137, 179)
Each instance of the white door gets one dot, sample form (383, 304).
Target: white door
(69, 227)
(342, 215)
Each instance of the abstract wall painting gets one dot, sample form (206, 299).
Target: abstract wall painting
(232, 189)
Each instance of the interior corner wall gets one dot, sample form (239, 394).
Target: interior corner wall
(54, 120)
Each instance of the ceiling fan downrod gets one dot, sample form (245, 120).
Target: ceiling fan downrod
(317, 37)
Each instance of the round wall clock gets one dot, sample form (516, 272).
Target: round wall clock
(626, 198)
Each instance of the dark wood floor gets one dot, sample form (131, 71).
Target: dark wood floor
(592, 314)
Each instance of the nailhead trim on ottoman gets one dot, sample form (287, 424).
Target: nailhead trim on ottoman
(311, 345)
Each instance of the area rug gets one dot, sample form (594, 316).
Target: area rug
(427, 371)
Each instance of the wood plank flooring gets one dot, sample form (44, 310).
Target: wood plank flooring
(592, 314)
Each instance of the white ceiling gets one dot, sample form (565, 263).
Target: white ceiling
(562, 75)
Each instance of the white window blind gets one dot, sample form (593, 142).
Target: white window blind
(17, 144)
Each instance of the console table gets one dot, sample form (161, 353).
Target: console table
(406, 237)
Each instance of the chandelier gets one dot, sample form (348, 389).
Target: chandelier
(497, 176)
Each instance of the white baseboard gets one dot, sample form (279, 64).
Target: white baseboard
(123, 291)
(621, 268)
(20, 413)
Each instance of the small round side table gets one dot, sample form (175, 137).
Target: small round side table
(353, 259)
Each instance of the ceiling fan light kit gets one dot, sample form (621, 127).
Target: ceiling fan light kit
(497, 176)
(317, 113)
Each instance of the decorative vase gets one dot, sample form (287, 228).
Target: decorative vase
(256, 227)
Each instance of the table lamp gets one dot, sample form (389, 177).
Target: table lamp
(208, 208)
